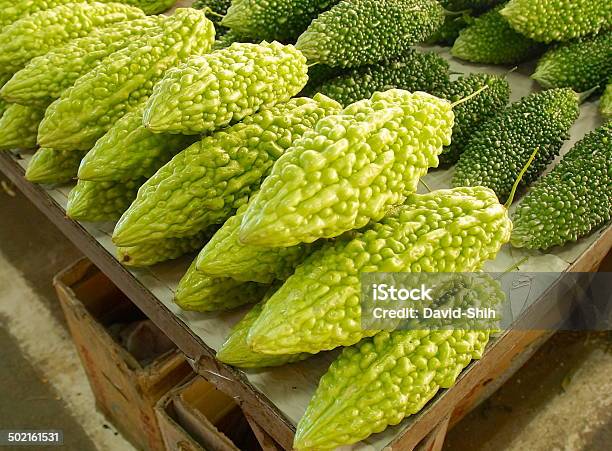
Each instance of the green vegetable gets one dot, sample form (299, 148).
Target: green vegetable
(50, 166)
(43, 31)
(318, 308)
(572, 200)
(236, 352)
(605, 103)
(218, 7)
(18, 127)
(201, 293)
(358, 32)
(46, 77)
(151, 6)
(101, 201)
(558, 20)
(470, 115)
(475, 5)
(213, 91)
(448, 33)
(129, 151)
(350, 169)
(382, 380)
(227, 39)
(206, 183)
(317, 75)
(581, 64)
(122, 82)
(224, 255)
(499, 150)
(413, 71)
(489, 39)
(280, 20)
(3, 105)
(152, 252)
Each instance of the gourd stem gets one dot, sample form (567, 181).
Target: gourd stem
(209, 11)
(429, 190)
(448, 13)
(514, 266)
(313, 64)
(519, 178)
(582, 96)
(470, 97)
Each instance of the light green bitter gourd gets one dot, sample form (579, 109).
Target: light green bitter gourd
(350, 169)
(18, 127)
(3, 104)
(318, 308)
(43, 31)
(50, 166)
(46, 77)
(123, 82)
(212, 91)
(101, 201)
(207, 182)
(129, 150)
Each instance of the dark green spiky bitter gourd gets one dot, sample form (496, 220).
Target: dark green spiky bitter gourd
(558, 20)
(572, 200)
(581, 64)
(605, 103)
(413, 71)
(50, 166)
(207, 182)
(18, 127)
(491, 40)
(123, 82)
(448, 33)
(212, 91)
(474, 5)
(499, 150)
(201, 293)
(318, 308)
(350, 169)
(359, 32)
(101, 201)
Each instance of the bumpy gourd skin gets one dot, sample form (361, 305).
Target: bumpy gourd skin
(499, 150)
(470, 115)
(207, 182)
(46, 77)
(318, 308)
(581, 64)
(43, 31)
(413, 71)
(224, 255)
(474, 5)
(123, 82)
(213, 91)
(18, 127)
(236, 352)
(574, 199)
(281, 20)
(50, 166)
(382, 380)
(3, 105)
(350, 169)
(448, 33)
(605, 103)
(558, 20)
(201, 293)
(101, 201)
(129, 150)
(359, 32)
(152, 252)
(151, 6)
(489, 39)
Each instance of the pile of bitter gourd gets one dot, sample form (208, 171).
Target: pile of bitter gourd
(285, 141)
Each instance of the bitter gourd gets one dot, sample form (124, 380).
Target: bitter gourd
(129, 150)
(558, 20)
(470, 115)
(18, 127)
(43, 31)
(210, 92)
(50, 166)
(572, 200)
(605, 103)
(581, 64)
(358, 32)
(491, 40)
(224, 255)
(499, 150)
(280, 20)
(382, 380)
(152, 252)
(46, 77)
(413, 71)
(207, 182)
(350, 169)
(201, 293)
(3, 105)
(474, 5)
(448, 33)
(318, 308)
(123, 82)
(101, 201)
(236, 352)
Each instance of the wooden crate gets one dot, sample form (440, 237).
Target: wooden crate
(125, 391)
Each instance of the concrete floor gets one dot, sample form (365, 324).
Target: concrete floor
(560, 400)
